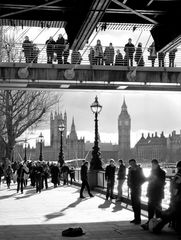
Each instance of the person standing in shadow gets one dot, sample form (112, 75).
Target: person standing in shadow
(110, 178)
(84, 179)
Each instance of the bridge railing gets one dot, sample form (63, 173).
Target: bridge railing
(15, 53)
(102, 183)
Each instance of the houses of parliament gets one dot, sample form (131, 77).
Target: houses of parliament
(165, 149)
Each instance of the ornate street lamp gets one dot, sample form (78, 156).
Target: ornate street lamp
(41, 146)
(61, 128)
(25, 144)
(96, 163)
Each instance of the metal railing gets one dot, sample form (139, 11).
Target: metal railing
(15, 53)
(102, 183)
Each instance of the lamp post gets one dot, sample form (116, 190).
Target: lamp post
(96, 163)
(25, 144)
(41, 146)
(61, 128)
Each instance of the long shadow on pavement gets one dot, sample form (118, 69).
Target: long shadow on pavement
(61, 212)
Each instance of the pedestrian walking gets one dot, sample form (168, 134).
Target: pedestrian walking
(110, 178)
(65, 173)
(20, 177)
(129, 49)
(38, 176)
(155, 191)
(72, 174)
(8, 175)
(135, 179)
(121, 178)
(84, 179)
(55, 174)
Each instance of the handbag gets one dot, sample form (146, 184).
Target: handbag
(73, 232)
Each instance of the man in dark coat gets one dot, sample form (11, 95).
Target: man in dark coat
(155, 191)
(173, 213)
(110, 178)
(59, 47)
(27, 49)
(84, 178)
(50, 49)
(121, 178)
(135, 179)
(38, 176)
(129, 49)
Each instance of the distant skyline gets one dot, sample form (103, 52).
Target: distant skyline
(150, 112)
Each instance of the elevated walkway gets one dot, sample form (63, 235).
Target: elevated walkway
(68, 76)
(43, 216)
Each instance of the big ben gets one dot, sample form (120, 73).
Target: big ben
(124, 129)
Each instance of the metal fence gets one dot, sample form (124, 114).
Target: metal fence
(102, 183)
(15, 53)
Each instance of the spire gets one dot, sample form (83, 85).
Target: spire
(124, 106)
(73, 134)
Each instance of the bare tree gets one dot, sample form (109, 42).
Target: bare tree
(20, 110)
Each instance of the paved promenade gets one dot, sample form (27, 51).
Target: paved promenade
(43, 216)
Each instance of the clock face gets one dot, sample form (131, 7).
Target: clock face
(126, 123)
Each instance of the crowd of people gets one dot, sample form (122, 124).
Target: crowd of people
(39, 172)
(59, 51)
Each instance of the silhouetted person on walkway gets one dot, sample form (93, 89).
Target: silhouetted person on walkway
(38, 176)
(27, 49)
(110, 178)
(66, 53)
(84, 179)
(109, 55)
(55, 174)
(98, 53)
(139, 55)
(72, 175)
(135, 180)
(171, 55)
(8, 175)
(21, 177)
(92, 59)
(65, 173)
(153, 54)
(118, 58)
(121, 178)
(161, 58)
(50, 48)
(59, 48)
(129, 51)
(76, 57)
(155, 191)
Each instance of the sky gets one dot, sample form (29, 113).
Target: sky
(149, 111)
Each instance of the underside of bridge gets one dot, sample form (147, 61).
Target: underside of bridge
(81, 17)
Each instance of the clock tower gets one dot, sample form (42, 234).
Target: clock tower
(124, 130)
